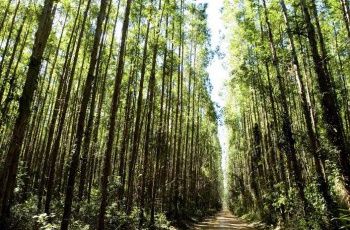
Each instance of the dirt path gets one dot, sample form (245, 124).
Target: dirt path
(224, 220)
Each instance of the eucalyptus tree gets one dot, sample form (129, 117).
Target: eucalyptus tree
(125, 113)
(114, 108)
(322, 182)
(262, 104)
(331, 116)
(9, 171)
(82, 114)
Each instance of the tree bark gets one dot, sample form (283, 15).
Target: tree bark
(82, 115)
(9, 171)
(330, 110)
(114, 109)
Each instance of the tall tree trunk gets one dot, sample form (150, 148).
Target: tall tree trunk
(9, 171)
(88, 130)
(323, 187)
(4, 106)
(329, 103)
(114, 109)
(56, 145)
(138, 126)
(179, 118)
(4, 52)
(82, 115)
(287, 128)
(57, 105)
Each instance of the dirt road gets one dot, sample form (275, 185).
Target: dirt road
(224, 220)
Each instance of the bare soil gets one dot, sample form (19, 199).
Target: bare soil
(224, 220)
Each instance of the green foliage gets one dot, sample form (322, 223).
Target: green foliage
(119, 220)
(44, 221)
(188, 126)
(345, 218)
(22, 216)
(254, 98)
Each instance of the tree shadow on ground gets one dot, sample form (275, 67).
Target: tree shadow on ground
(223, 220)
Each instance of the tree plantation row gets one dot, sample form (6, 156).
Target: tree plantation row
(289, 121)
(106, 121)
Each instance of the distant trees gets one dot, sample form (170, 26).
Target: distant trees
(292, 46)
(112, 116)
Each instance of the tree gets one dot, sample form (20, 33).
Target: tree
(9, 171)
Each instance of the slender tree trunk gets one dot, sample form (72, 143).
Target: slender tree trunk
(82, 114)
(56, 109)
(88, 130)
(287, 129)
(321, 182)
(138, 126)
(4, 53)
(12, 83)
(179, 118)
(56, 145)
(329, 103)
(114, 109)
(9, 171)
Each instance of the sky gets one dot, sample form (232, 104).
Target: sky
(217, 73)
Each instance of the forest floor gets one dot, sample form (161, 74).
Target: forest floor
(224, 220)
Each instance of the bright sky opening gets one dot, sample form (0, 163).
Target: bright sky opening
(217, 73)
